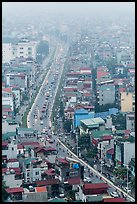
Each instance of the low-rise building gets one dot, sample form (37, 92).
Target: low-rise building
(124, 150)
(88, 125)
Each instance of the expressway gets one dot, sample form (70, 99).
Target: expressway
(40, 112)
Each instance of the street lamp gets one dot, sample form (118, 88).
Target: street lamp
(77, 143)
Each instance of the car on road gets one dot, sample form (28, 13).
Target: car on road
(127, 190)
(41, 122)
(114, 194)
(87, 179)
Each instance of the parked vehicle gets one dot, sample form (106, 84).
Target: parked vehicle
(114, 194)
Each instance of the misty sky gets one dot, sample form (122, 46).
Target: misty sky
(95, 8)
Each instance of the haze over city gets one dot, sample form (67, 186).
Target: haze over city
(68, 102)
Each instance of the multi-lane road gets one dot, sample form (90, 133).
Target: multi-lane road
(40, 113)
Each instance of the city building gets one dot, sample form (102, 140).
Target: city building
(123, 152)
(88, 125)
(106, 94)
(127, 102)
(130, 121)
(7, 52)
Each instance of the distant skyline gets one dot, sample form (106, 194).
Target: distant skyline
(91, 8)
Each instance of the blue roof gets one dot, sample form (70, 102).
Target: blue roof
(81, 111)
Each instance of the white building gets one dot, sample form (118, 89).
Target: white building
(17, 79)
(26, 49)
(7, 97)
(17, 94)
(9, 126)
(123, 152)
(11, 180)
(7, 52)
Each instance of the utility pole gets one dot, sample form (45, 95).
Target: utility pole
(77, 143)
(127, 178)
(101, 158)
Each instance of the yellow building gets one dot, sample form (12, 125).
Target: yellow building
(127, 101)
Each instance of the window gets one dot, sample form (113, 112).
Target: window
(21, 48)
(29, 48)
(29, 53)
(37, 172)
(21, 52)
(19, 152)
(28, 174)
(74, 173)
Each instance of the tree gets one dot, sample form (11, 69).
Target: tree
(4, 192)
(67, 125)
(121, 172)
(71, 195)
(42, 51)
(111, 64)
(119, 120)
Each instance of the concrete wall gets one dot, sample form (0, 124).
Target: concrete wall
(11, 182)
(35, 197)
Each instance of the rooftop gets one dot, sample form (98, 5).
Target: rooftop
(15, 190)
(41, 189)
(92, 122)
(95, 186)
(47, 182)
(117, 200)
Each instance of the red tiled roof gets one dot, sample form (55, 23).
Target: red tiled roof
(41, 189)
(62, 160)
(122, 89)
(9, 90)
(69, 110)
(110, 151)
(74, 181)
(86, 73)
(6, 109)
(70, 89)
(87, 94)
(15, 190)
(50, 171)
(4, 170)
(31, 143)
(47, 182)
(48, 162)
(107, 137)
(19, 146)
(131, 65)
(85, 68)
(50, 149)
(127, 132)
(13, 160)
(73, 73)
(95, 186)
(131, 70)
(4, 144)
(100, 74)
(39, 149)
(114, 200)
(94, 141)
